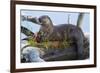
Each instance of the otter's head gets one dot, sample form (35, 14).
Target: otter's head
(45, 20)
(46, 27)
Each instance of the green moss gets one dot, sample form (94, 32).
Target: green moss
(50, 44)
(32, 41)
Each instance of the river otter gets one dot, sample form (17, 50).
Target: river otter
(60, 32)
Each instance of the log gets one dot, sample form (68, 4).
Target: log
(57, 51)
